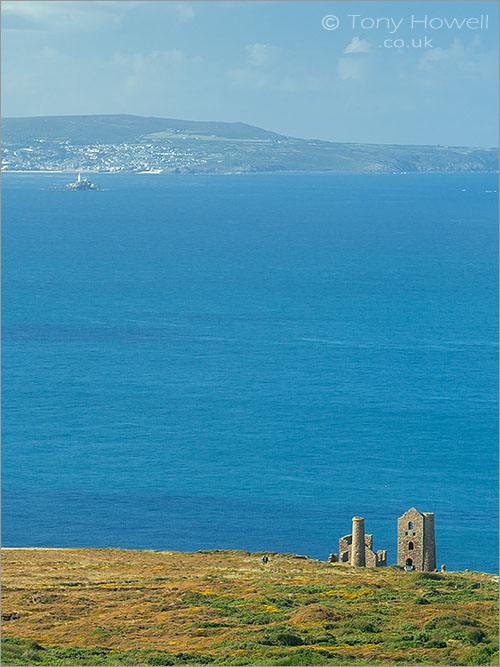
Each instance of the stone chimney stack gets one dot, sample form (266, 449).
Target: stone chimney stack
(358, 542)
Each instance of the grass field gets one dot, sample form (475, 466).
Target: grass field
(119, 607)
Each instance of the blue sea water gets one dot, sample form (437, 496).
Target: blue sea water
(195, 362)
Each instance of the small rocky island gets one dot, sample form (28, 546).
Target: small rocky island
(79, 184)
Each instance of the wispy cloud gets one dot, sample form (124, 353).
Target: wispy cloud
(358, 45)
(78, 15)
(57, 15)
(249, 78)
(260, 54)
(468, 60)
(154, 73)
(349, 68)
(184, 11)
(273, 68)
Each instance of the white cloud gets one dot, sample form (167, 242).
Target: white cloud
(249, 78)
(261, 54)
(469, 60)
(261, 68)
(358, 45)
(303, 82)
(349, 68)
(150, 82)
(184, 11)
(155, 72)
(271, 67)
(431, 58)
(59, 15)
(137, 63)
(49, 53)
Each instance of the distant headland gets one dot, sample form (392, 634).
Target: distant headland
(136, 144)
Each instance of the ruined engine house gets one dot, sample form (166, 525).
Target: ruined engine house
(416, 540)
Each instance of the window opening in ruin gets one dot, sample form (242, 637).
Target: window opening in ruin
(410, 546)
(409, 561)
(410, 524)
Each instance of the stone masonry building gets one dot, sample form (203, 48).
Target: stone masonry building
(357, 548)
(416, 540)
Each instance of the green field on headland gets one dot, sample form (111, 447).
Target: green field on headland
(134, 144)
(120, 607)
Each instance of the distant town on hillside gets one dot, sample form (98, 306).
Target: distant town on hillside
(128, 144)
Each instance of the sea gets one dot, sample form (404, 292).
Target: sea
(196, 362)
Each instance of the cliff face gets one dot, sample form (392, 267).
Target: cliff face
(112, 606)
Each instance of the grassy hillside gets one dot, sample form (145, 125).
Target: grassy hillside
(115, 128)
(118, 607)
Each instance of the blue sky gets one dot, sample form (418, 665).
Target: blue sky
(270, 64)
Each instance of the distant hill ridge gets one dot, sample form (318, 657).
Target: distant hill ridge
(111, 128)
(162, 145)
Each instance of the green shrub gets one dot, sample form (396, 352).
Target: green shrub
(308, 657)
(428, 576)
(365, 626)
(324, 639)
(474, 636)
(478, 656)
(191, 659)
(78, 653)
(31, 656)
(435, 643)
(407, 626)
(287, 639)
(211, 624)
(14, 640)
(160, 660)
(449, 621)
(260, 618)
(281, 639)
(455, 627)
